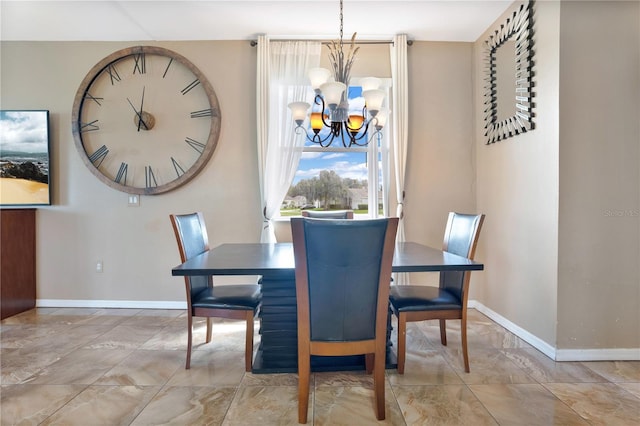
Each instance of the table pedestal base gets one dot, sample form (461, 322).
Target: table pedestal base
(278, 350)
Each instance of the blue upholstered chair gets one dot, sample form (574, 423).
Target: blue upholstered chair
(239, 301)
(331, 214)
(449, 300)
(343, 271)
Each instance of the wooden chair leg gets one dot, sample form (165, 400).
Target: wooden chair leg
(402, 341)
(443, 332)
(189, 340)
(248, 350)
(378, 384)
(209, 327)
(368, 363)
(463, 334)
(304, 371)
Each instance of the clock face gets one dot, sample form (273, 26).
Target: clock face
(145, 120)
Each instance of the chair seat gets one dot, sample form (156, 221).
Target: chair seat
(408, 298)
(239, 297)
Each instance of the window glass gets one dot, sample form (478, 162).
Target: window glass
(337, 178)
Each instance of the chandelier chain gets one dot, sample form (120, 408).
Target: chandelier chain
(341, 25)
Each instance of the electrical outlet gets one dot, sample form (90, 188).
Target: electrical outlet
(99, 266)
(134, 200)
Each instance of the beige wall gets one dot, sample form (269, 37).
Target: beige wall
(599, 240)
(561, 240)
(90, 221)
(518, 192)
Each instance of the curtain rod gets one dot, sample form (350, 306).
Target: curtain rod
(409, 42)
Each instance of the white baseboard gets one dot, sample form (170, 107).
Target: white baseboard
(531, 339)
(610, 354)
(605, 354)
(128, 304)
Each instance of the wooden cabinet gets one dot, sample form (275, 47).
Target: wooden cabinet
(17, 261)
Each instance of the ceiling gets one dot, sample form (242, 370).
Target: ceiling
(119, 20)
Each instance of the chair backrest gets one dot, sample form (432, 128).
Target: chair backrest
(343, 272)
(461, 238)
(192, 238)
(332, 214)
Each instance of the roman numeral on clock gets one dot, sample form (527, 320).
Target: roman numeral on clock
(89, 127)
(167, 68)
(93, 98)
(121, 177)
(191, 85)
(140, 64)
(179, 170)
(202, 113)
(99, 155)
(149, 177)
(198, 146)
(113, 74)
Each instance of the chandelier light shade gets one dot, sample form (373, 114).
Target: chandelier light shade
(330, 117)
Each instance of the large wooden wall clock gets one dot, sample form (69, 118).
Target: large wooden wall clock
(145, 120)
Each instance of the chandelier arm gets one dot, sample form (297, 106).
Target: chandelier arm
(322, 141)
(321, 103)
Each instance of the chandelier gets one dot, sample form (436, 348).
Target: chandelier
(330, 118)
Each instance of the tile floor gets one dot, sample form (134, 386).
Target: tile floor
(126, 367)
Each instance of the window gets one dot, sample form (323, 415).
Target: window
(335, 178)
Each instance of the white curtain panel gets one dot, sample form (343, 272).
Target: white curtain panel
(279, 147)
(400, 117)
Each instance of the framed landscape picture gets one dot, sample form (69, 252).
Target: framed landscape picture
(24, 158)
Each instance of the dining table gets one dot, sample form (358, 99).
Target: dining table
(274, 262)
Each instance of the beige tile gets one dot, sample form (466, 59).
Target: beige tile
(31, 404)
(168, 338)
(633, 388)
(17, 365)
(352, 405)
(281, 379)
(118, 366)
(617, 371)
(227, 335)
(63, 339)
(426, 368)
(187, 406)
(20, 336)
(104, 405)
(83, 366)
(545, 370)
(269, 405)
(63, 316)
(525, 404)
(343, 379)
(211, 369)
(156, 318)
(124, 337)
(441, 405)
(599, 403)
(487, 366)
(110, 316)
(416, 339)
(144, 368)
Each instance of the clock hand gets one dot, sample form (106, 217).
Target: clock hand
(139, 114)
